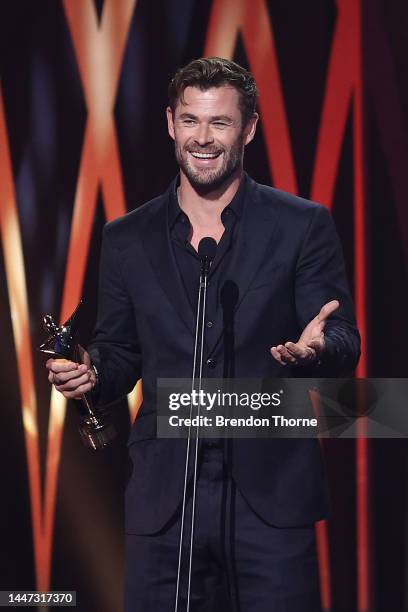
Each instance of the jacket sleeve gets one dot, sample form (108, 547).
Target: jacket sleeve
(321, 277)
(114, 348)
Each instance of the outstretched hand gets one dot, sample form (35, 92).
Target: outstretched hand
(311, 343)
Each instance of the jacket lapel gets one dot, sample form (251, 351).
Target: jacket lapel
(157, 244)
(255, 235)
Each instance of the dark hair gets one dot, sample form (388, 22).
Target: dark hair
(208, 72)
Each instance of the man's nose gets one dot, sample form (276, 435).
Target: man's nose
(203, 135)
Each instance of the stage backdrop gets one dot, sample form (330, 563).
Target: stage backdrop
(82, 140)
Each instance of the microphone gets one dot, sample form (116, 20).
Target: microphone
(207, 249)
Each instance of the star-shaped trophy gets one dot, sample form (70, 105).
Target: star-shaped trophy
(95, 429)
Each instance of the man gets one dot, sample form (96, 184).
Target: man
(278, 305)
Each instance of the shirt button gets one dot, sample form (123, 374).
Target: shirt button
(210, 323)
(211, 363)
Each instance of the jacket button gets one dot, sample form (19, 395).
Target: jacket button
(210, 323)
(211, 363)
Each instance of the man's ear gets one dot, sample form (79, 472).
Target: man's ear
(250, 128)
(170, 122)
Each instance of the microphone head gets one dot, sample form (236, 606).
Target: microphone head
(207, 248)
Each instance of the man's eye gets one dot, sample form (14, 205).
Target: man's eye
(188, 122)
(220, 124)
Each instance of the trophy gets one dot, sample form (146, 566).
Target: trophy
(94, 427)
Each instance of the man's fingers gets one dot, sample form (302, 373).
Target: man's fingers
(327, 310)
(86, 388)
(70, 378)
(285, 355)
(301, 353)
(61, 378)
(276, 355)
(72, 384)
(84, 356)
(311, 342)
(294, 353)
(61, 365)
(296, 350)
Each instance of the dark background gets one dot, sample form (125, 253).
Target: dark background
(46, 116)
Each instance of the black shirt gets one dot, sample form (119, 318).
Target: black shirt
(188, 261)
(187, 258)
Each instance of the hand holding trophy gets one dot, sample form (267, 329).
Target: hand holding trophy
(94, 427)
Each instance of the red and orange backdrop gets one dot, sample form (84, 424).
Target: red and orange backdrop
(83, 139)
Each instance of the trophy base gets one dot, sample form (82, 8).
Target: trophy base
(95, 434)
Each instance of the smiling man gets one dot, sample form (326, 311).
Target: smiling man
(210, 128)
(209, 135)
(277, 305)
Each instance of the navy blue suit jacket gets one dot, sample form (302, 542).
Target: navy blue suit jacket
(287, 262)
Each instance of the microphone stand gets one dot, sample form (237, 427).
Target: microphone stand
(206, 250)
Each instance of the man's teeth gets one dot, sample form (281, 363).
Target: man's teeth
(204, 155)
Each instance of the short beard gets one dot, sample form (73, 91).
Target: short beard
(205, 181)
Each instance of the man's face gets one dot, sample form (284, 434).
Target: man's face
(209, 136)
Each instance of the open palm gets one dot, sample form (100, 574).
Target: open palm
(311, 343)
